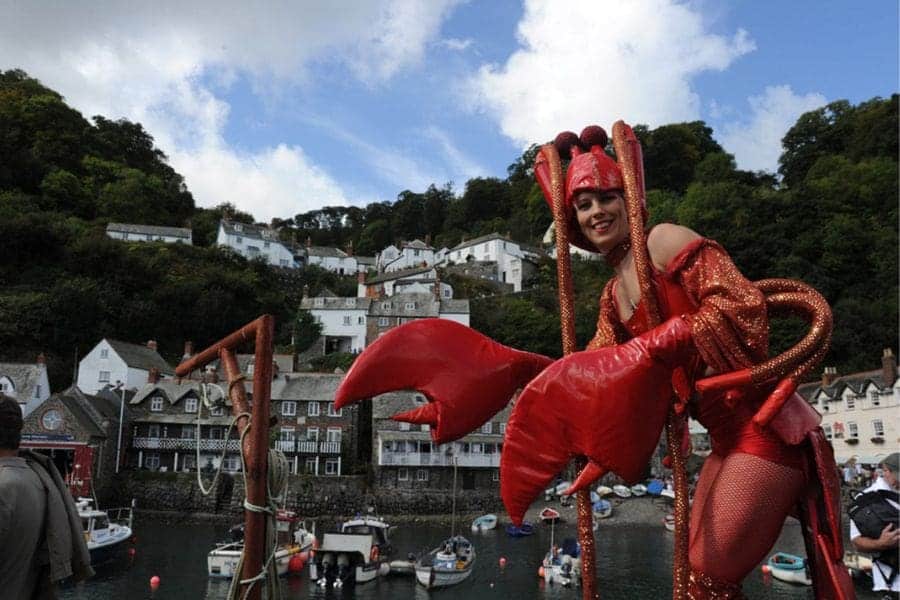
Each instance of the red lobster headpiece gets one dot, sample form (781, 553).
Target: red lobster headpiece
(591, 168)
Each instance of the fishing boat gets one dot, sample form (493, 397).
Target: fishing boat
(667, 493)
(789, 567)
(562, 566)
(522, 530)
(484, 522)
(452, 561)
(622, 491)
(550, 515)
(669, 522)
(602, 509)
(604, 490)
(292, 538)
(357, 554)
(104, 530)
(655, 487)
(638, 489)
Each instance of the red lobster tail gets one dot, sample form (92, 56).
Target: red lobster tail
(466, 376)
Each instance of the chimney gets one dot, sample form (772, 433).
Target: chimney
(211, 375)
(437, 286)
(888, 367)
(308, 241)
(41, 359)
(427, 239)
(305, 292)
(829, 375)
(350, 248)
(153, 375)
(151, 344)
(361, 277)
(188, 350)
(275, 368)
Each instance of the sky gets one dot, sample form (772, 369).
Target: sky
(285, 107)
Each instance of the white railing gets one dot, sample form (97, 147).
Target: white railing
(308, 447)
(285, 445)
(438, 459)
(330, 447)
(183, 444)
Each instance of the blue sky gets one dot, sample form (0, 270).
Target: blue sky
(284, 108)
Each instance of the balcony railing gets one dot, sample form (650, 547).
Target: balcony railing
(149, 443)
(308, 447)
(438, 459)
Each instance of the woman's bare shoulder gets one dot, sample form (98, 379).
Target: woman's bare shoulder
(666, 240)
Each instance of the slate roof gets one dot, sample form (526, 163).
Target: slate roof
(81, 407)
(140, 356)
(335, 303)
(307, 386)
(24, 376)
(857, 382)
(326, 252)
(249, 230)
(154, 230)
(480, 240)
(366, 260)
(403, 273)
(426, 306)
(416, 245)
(173, 391)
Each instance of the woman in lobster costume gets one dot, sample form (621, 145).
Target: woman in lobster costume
(678, 315)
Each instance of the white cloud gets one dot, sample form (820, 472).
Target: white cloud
(756, 142)
(456, 44)
(148, 62)
(462, 165)
(578, 65)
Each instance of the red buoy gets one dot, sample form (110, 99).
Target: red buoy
(154, 582)
(296, 564)
(502, 561)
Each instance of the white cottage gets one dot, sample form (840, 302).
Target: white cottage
(515, 261)
(149, 233)
(27, 383)
(409, 255)
(255, 241)
(112, 361)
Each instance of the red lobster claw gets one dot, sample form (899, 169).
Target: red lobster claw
(467, 377)
(608, 405)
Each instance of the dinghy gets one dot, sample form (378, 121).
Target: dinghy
(789, 567)
(484, 522)
(523, 530)
(639, 489)
(550, 515)
(622, 491)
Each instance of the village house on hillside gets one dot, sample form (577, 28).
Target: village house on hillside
(409, 255)
(149, 233)
(255, 241)
(111, 362)
(511, 262)
(337, 260)
(419, 279)
(405, 457)
(27, 383)
(859, 410)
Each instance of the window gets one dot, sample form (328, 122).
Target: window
(874, 399)
(425, 447)
(852, 430)
(318, 301)
(288, 408)
(188, 462)
(311, 465)
(360, 320)
(266, 245)
(190, 405)
(333, 434)
(495, 476)
(37, 391)
(153, 431)
(502, 428)
(215, 433)
(487, 428)
(156, 404)
(283, 262)
(351, 302)
(231, 463)
(382, 321)
(402, 474)
(851, 402)
(446, 293)
(332, 412)
(385, 306)
(312, 409)
(286, 434)
(827, 430)
(878, 426)
(404, 426)
(218, 411)
(187, 432)
(410, 306)
(238, 227)
(312, 434)
(238, 240)
(477, 448)
(346, 319)
(151, 461)
(104, 353)
(426, 427)
(104, 377)
(332, 466)
(419, 399)
(421, 474)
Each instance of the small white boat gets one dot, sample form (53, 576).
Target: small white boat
(602, 509)
(562, 566)
(604, 491)
(358, 554)
(484, 523)
(550, 515)
(293, 538)
(404, 567)
(104, 530)
(622, 491)
(446, 565)
(789, 568)
(554, 491)
(638, 489)
(669, 522)
(667, 493)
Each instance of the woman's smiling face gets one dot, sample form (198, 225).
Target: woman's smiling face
(601, 217)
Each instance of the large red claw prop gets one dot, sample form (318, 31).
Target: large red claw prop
(466, 376)
(608, 405)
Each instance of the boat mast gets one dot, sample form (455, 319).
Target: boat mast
(453, 512)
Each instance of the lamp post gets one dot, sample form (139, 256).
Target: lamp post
(119, 385)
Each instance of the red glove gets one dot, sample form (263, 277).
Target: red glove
(466, 376)
(608, 405)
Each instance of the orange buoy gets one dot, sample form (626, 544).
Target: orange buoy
(541, 571)
(766, 569)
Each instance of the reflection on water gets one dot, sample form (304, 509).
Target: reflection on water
(633, 562)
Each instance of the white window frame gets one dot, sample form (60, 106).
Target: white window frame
(385, 306)
(287, 434)
(312, 409)
(403, 474)
(350, 302)
(217, 411)
(878, 427)
(333, 412)
(850, 402)
(852, 430)
(312, 434)
(187, 432)
(476, 448)
(289, 408)
(190, 405)
(426, 427)
(495, 475)
(360, 320)
(151, 461)
(421, 474)
(346, 320)
(874, 399)
(827, 429)
(332, 467)
(383, 322)
(153, 431)
(319, 302)
(156, 403)
(487, 428)
(103, 377)
(333, 434)
(311, 465)
(404, 426)
(502, 428)
(409, 306)
(231, 464)
(104, 352)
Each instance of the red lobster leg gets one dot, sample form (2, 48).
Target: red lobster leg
(467, 377)
(608, 405)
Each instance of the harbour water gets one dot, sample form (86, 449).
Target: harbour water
(633, 563)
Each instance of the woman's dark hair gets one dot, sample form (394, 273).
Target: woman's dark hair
(10, 423)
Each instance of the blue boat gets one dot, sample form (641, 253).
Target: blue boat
(655, 487)
(525, 529)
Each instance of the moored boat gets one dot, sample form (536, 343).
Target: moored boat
(522, 530)
(602, 509)
(292, 538)
(655, 487)
(484, 523)
(104, 530)
(550, 515)
(604, 490)
(622, 491)
(789, 567)
(357, 554)
(638, 489)
(448, 564)
(562, 566)
(669, 522)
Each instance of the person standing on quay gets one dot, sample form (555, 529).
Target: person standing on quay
(883, 580)
(39, 524)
